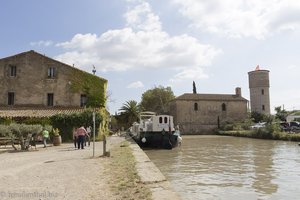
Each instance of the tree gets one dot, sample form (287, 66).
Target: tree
(258, 117)
(280, 114)
(157, 99)
(130, 111)
(194, 88)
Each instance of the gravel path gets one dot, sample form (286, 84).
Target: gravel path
(55, 173)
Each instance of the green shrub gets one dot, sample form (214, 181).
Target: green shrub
(6, 120)
(269, 132)
(228, 127)
(21, 131)
(277, 135)
(5, 131)
(294, 137)
(66, 123)
(48, 127)
(32, 120)
(263, 133)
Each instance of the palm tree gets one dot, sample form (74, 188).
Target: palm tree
(130, 110)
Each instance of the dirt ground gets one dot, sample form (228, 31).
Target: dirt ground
(55, 173)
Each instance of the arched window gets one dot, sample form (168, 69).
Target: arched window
(166, 120)
(160, 120)
(195, 106)
(223, 107)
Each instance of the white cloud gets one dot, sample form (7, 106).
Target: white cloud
(242, 18)
(142, 44)
(80, 41)
(137, 84)
(191, 74)
(142, 18)
(42, 43)
(292, 67)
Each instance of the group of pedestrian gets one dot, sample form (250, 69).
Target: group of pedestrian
(81, 136)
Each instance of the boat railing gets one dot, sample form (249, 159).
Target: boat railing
(146, 115)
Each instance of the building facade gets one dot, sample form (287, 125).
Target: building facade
(259, 85)
(32, 80)
(203, 113)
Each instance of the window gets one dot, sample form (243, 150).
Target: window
(11, 98)
(160, 120)
(50, 98)
(262, 91)
(195, 106)
(223, 107)
(263, 107)
(51, 72)
(83, 100)
(12, 70)
(166, 120)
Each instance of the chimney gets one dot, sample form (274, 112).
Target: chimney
(238, 92)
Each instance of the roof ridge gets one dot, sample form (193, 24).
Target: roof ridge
(43, 55)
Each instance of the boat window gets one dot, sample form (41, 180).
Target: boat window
(166, 120)
(160, 120)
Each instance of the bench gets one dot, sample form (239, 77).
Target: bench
(29, 141)
(5, 141)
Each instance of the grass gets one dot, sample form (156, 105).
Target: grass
(124, 180)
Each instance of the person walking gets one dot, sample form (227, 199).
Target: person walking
(88, 136)
(45, 134)
(75, 137)
(81, 133)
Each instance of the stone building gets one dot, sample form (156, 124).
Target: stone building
(259, 91)
(33, 81)
(202, 113)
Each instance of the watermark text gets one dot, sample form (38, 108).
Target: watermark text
(28, 195)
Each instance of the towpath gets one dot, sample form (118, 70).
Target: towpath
(55, 173)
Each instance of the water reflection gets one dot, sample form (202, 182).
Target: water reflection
(214, 167)
(263, 153)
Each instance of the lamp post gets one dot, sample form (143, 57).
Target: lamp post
(104, 144)
(94, 72)
(94, 133)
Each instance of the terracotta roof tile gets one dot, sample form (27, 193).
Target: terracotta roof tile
(37, 112)
(210, 97)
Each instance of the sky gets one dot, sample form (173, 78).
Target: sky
(138, 45)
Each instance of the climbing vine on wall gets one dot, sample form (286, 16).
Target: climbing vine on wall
(66, 123)
(92, 86)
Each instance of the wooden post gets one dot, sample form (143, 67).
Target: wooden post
(104, 145)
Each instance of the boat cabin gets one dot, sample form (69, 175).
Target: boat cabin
(157, 123)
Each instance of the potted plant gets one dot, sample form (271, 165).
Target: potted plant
(56, 137)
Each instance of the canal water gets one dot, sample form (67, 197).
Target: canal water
(220, 167)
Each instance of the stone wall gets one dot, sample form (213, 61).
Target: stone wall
(31, 84)
(209, 114)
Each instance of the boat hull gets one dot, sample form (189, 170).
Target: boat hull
(161, 140)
